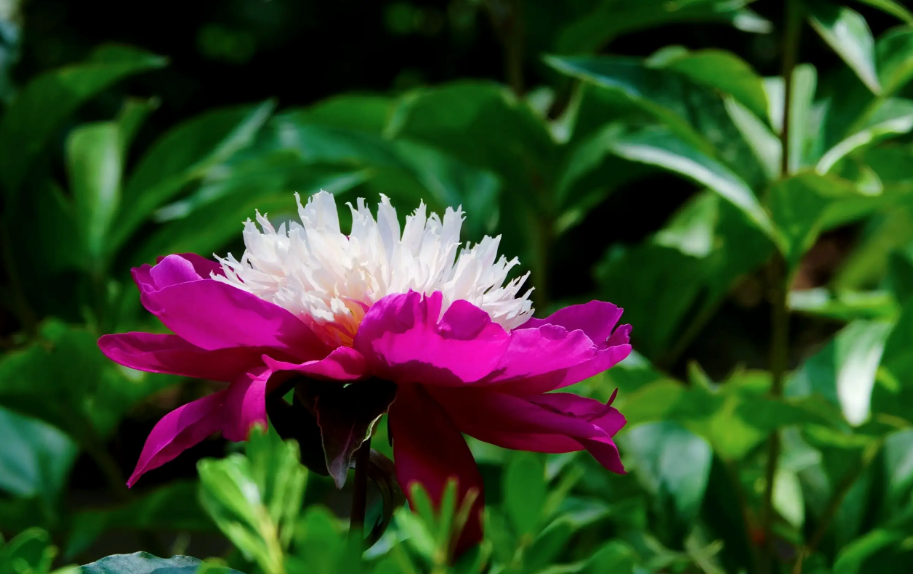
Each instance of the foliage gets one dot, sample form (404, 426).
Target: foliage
(735, 468)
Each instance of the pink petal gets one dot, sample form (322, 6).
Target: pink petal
(429, 449)
(173, 355)
(212, 315)
(232, 411)
(573, 344)
(343, 364)
(553, 422)
(596, 319)
(179, 430)
(245, 405)
(174, 269)
(403, 340)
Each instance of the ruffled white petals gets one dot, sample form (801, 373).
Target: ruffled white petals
(330, 280)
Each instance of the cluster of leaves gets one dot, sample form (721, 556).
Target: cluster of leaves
(696, 448)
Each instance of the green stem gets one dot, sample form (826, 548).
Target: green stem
(779, 288)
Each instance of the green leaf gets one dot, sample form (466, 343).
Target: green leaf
(145, 563)
(844, 305)
(35, 458)
(673, 465)
(185, 153)
(612, 18)
(895, 59)
(208, 226)
(41, 107)
(880, 550)
(524, 491)
(90, 393)
(891, 7)
(847, 32)
(723, 71)
(131, 118)
(844, 370)
(802, 131)
(171, 507)
(894, 116)
(255, 500)
(660, 147)
(94, 163)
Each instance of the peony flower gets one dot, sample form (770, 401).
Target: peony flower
(407, 307)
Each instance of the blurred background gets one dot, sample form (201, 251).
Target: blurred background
(627, 151)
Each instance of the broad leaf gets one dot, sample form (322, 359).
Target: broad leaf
(184, 154)
(94, 164)
(846, 31)
(35, 458)
(525, 491)
(40, 108)
(145, 563)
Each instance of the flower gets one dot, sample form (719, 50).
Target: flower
(408, 307)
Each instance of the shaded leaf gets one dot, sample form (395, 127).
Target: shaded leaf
(144, 563)
(35, 458)
(40, 108)
(846, 31)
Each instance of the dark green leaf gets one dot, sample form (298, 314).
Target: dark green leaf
(41, 107)
(35, 458)
(524, 491)
(185, 153)
(174, 507)
(723, 71)
(145, 563)
(94, 165)
(673, 464)
(891, 7)
(848, 34)
(892, 117)
(844, 305)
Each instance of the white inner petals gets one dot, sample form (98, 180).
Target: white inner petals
(330, 280)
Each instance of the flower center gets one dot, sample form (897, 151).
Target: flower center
(330, 280)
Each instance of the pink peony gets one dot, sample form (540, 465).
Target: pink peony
(459, 344)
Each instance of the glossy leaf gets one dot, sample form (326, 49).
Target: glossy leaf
(673, 464)
(94, 165)
(41, 107)
(35, 458)
(184, 154)
(145, 563)
(847, 33)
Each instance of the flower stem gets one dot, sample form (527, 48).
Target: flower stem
(778, 277)
(360, 489)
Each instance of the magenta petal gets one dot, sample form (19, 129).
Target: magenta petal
(172, 270)
(546, 349)
(213, 315)
(404, 342)
(596, 319)
(553, 422)
(179, 430)
(173, 355)
(343, 364)
(204, 267)
(429, 449)
(245, 405)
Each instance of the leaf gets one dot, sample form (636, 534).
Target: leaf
(171, 507)
(268, 185)
(35, 458)
(612, 18)
(524, 491)
(185, 153)
(94, 163)
(30, 551)
(846, 31)
(346, 416)
(723, 71)
(131, 118)
(42, 105)
(880, 550)
(673, 465)
(895, 59)
(893, 117)
(891, 7)
(255, 500)
(844, 370)
(145, 563)
(844, 305)
(660, 147)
